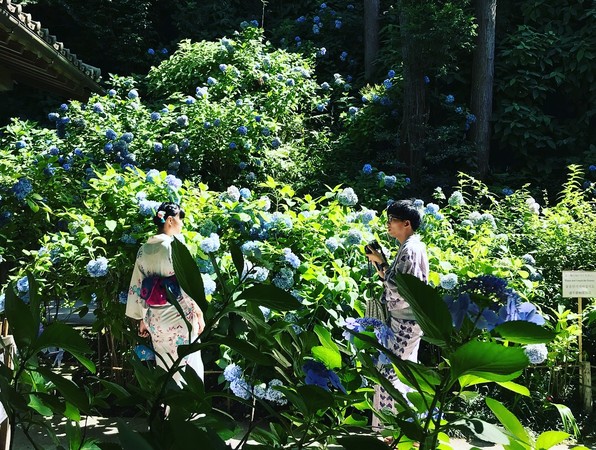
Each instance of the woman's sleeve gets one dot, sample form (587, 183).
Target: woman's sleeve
(135, 305)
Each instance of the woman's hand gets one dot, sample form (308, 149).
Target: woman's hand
(143, 329)
(200, 321)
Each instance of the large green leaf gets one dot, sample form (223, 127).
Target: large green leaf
(60, 335)
(487, 360)
(188, 274)
(429, 308)
(38, 405)
(69, 390)
(130, 439)
(549, 439)
(331, 358)
(237, 258)
(315, 398)
(510, 422)
(247, 350)
(483, 430)
(24, 327)
(522, 332)
(270, 296)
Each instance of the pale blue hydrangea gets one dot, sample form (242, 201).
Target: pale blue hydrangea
(467, 223)
(354, 237)
(332, 244)
(148, 208)
(210, 244)
(232, 372)
(529, 259)
(456, 199)
(209, 285)
(367, 169)
(279, 220)
(486, 218)
(155, 116)
(390, 180)
(449, 281)
(22, 188)
(153, 176)
(245, 193)
(173, 182)
(251, 248)
(291, 258)
(133, 94)
(273, 395)
(97, 267)
(367, 215)
(157, 147)
(266, 312)
(259, 391)
(128, 239)
(431, 209)
(418, 203)
(536, 353)
(347, 197)
(123, 297)
(182, 120)
(23, 285)
(284, 279)
(232, 193)
(257, 273)
(241, 388)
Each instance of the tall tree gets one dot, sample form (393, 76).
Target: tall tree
(371, 36)
(482, 81)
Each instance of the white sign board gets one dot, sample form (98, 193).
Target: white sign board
(579, 284)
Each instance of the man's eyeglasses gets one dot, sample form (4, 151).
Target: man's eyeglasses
(391, 218)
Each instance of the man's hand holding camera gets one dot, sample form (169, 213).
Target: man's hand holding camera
(375, 254)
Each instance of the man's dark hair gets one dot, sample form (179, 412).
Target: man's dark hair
(405, 210)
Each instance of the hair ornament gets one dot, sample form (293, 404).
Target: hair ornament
(161, 215)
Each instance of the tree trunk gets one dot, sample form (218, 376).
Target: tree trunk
(482, 81)
(415, 110)
(371, 37)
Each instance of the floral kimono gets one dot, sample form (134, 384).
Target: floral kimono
(167, 328)
(411, 259)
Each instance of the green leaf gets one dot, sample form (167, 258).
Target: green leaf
(483, 430)
(247, 350)
(23, 325)
(514, 387)
(362, 442)
(315, 398)
(429, 308)
(331, 358)
(270, 296)
(69, 390)
(111, 224)
(487, 360)
(188, 274)
(58, 334)
(522, 332)
(237, 258)
(509, 421)
(549, 439)
(130, 439)
(37, 404)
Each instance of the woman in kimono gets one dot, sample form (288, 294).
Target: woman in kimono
(403, 219)
(164, 323)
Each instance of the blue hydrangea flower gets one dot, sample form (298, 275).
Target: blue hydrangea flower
(325, 86)
(20, 144)
(390, 180)
(148, 208)
(338, 24)
(251, 248)
(275, 143)
(273, 395)
(449, 281)
(456, 199)
(245, 193)
(426, 79)
(347, 197)
(123, 297)
(367, 169)
(431, 209)
(127, 137)
(352, 110)
(367, 215)
(97, 267)
(291, 258)
(232, 372)
(449, 99)
(354, 237)
(151, 51)
(22, 188)
(23, 285)
(232, 193)
(182, 120)
(280, 220)
(317, 374)
(257, 273)
(173, 183)
(536, 353)
(387, 84)
(592, 168)
(332, 244)
(112, 92)
(241, 388)
(209, 285)
(157, 147)
(133, 94)
(233, 145)
(111, 134)
(242, 130)
(529, 259)
(155, 116)
(284, 279)
(98, 108)
(507, 191)
(210, 244)
(53, 117)
(128, 239)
